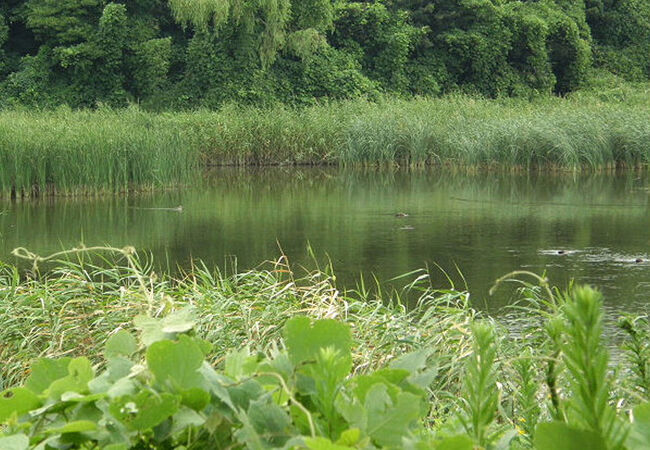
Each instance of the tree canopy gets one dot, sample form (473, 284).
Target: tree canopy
(171, 54)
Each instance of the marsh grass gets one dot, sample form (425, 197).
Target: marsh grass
(495, 382)
(83, 152)
(111, 150)
(72, 308)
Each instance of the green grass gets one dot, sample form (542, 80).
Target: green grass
(84, 152)
(112, 150)
(547, 375)
(74, 306)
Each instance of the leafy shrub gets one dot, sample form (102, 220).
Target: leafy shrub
(162, 393)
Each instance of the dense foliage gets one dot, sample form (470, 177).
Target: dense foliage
(187, 53)
(223, 362)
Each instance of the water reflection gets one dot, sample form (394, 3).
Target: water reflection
(591, 228)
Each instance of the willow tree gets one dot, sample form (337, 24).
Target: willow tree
(267, 19)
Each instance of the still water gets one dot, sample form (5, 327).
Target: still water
(591, 228)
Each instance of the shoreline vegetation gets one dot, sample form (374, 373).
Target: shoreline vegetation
(67, 152)
(440, 373)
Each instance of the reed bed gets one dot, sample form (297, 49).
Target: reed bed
(84, 152)
(112, 150)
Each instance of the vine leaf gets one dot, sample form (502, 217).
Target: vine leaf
(18, 401)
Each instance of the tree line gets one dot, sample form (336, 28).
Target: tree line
(176, 54)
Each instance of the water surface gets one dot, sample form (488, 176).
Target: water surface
(589, 228)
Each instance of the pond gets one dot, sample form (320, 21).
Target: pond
(591, 228)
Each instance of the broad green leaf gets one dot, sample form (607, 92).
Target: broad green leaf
(116, 447)
(176, 363)
(353, 411)
(388, 421)
(422, 372)
(462, 442)
(179, 321)
(14, 442)
(321, 443)
(44, 372)
(80, 372)
(305, 341)
(195, 398)
(154, 330)
(268, 418)
(121, 343)
(145, 410)
(240, 363)
(216, 383)
(122, 387)
(78, 398)
(391, 378)
(412, 361)
(243, 393)
(639, 436)
(186, 418)
(559, 436)
(17, 400)
(150, 330)
(349, 437)
(117, 368)
(78, 426)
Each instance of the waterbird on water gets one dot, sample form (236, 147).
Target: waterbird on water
(401, 214)
(638, 260)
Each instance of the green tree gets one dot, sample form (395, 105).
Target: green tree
(381, 39)
(61, 22)
(262, 21)
(4, 35)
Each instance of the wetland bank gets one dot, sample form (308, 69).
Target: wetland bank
(472, 138)
(386, 225)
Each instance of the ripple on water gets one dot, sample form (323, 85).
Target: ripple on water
(605, 255)
(558, 251)
(600, 255)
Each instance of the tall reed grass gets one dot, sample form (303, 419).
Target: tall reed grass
(70, 152)
(113, 150)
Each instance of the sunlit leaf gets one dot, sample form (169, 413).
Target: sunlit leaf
(44, 372)
(17, 400)
(77, 426)
(80, 372)
(121, 343)
(462, 442)
(388, 421)
(639, 436)
(321, 443)
(305, 341)
(176, 363)
(559, 436)
(15, 442)
(179, 321)
(144, 410)
(349, 437)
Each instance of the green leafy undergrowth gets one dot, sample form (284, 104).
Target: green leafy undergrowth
(159, 392)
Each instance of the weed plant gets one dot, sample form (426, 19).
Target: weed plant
(266, 359)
